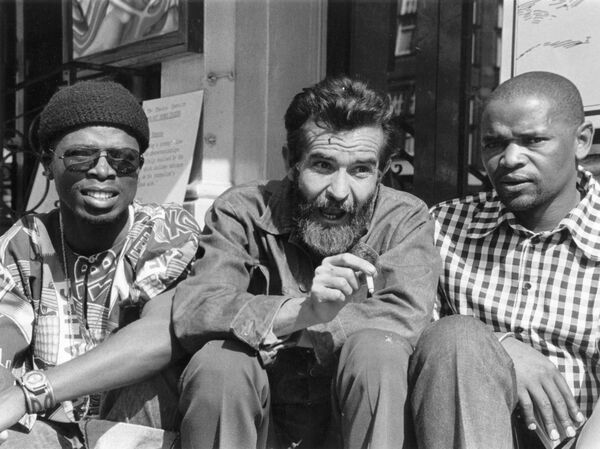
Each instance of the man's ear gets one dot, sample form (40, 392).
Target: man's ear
(585, 136)
(46, 161)
(285, 153)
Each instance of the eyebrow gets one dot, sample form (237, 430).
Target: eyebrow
(320, 155)
(518, 135)
(368, 161)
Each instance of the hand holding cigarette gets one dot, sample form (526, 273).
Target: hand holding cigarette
(335, 281)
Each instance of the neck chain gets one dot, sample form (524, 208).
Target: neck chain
(83, 321)
(83, 324)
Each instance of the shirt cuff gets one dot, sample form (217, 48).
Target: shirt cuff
(271, 344)
(254, 320)
(505, 336)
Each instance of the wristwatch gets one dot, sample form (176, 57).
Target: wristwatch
(38, 392)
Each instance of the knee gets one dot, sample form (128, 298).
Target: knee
(452, 336)
(221, 366)
(459, 344)
(374, 351)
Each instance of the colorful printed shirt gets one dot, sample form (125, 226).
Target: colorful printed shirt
(543, 286)
(107, 290)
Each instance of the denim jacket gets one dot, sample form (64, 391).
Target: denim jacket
(250, 261)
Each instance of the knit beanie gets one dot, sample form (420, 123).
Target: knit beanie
(93, 103)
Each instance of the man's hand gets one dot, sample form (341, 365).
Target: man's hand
(336, 279)
(541, 387)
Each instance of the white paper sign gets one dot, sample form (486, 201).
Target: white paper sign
(174, 123)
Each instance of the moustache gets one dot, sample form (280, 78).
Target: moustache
(325, 203)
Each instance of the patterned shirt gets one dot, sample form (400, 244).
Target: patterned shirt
(542, 286)
(107, 289)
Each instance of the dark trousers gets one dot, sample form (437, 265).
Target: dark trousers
(230, 401)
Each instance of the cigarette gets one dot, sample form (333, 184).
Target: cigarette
(370, 284)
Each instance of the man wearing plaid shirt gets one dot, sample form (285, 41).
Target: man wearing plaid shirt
(521, 283)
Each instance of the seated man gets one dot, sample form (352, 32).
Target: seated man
(72, 277)
(279, 312)
(521, 272)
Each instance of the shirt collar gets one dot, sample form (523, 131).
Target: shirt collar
(489, 215)
(581, 222)
(277, 217)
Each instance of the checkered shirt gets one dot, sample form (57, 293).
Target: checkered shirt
(542, 286)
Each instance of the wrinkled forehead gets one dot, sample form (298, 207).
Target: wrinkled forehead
(363, 141)
(519, 105)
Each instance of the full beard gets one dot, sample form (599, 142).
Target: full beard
(324, 239)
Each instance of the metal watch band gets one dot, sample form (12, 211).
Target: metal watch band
(38, 392)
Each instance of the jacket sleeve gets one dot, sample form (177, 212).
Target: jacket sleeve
(405, 288)
(217, 301)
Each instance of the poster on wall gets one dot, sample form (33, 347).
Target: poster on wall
(560, 36)
(174, 124)
(101, 25)
(131, 32)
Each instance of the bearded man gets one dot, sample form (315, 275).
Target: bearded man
(291, 346)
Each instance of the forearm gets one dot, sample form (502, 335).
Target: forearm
(294, 315)
(136, 352)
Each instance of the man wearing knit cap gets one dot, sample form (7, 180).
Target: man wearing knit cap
(72, 277)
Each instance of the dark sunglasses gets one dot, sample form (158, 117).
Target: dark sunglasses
(124, 161)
